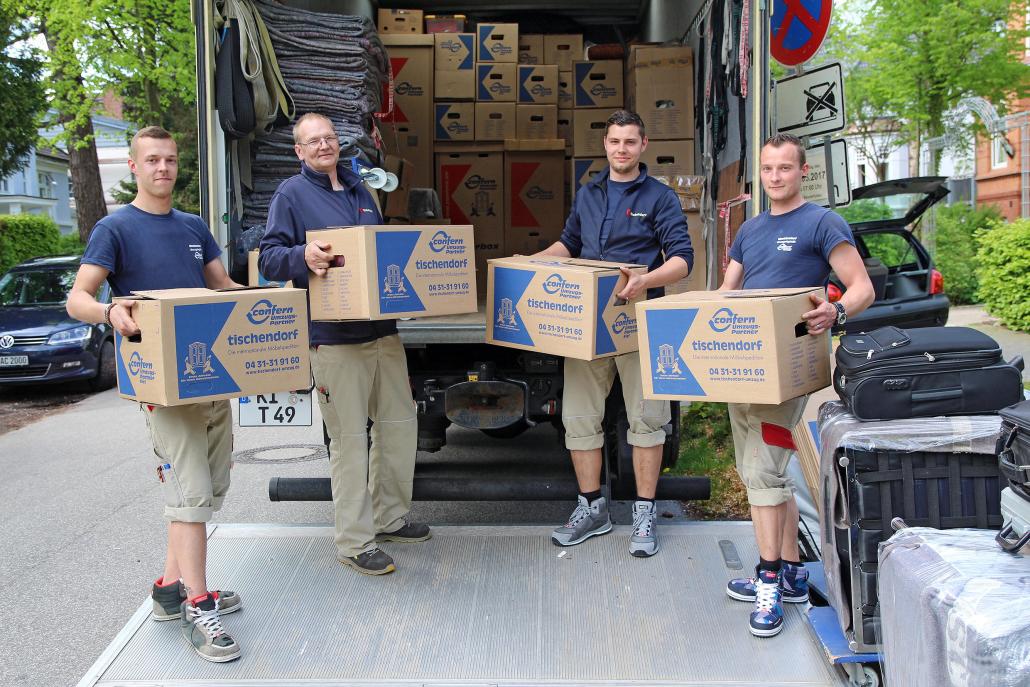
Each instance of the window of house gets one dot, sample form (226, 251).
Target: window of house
(998, 157)
(47, 185)
(4, 186)
(861, 175)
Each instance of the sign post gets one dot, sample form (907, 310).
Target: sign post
(827, 183)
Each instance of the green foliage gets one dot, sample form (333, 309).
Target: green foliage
(182, 123)
(69, 244)
(706, 449)
(917, 60)
(26, 236)
(956, 257)
(24, 96)
(1004, 271)
(865, 210)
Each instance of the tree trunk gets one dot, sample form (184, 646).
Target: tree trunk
(90, 206)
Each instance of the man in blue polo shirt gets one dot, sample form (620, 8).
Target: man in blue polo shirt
(793, 244)
(360, 368)
(622, 215)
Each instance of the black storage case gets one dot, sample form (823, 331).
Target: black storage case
(1014, 446)
(892, 373)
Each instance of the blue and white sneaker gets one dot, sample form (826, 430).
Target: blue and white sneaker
(767, 616)
(793, 586)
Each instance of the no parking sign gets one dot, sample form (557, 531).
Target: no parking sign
(797, 29)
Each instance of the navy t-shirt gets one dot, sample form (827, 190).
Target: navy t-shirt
(616, 190)
(145, 252)
(789, 250)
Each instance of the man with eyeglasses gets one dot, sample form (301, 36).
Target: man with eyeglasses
(360, 368)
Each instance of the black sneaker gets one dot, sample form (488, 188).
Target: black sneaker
(409, 533)
(202, 628)
(374, 562)
(168, 601)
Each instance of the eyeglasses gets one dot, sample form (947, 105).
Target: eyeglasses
(317, 142)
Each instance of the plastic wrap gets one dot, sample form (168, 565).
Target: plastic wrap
(839, 429)
(955, 610)
(689, 189)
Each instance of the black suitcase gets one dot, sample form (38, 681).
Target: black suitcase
(1014, 445)
(891, 373)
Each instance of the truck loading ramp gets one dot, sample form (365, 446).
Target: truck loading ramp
(477, 605)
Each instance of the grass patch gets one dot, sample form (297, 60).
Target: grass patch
(706, 449)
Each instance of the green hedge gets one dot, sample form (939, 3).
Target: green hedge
(26, 236)
(956, 248)
(1004, 272)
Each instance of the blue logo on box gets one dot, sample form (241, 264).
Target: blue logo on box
(444, 242)
(260, 312)
(393, 251)
(665, 330)
(509, 286)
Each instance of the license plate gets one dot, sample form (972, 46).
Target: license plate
(14, 360)
(281, 409)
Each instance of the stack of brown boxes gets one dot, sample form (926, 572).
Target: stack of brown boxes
(454, 110)
(408, 129)
(660, 87)
(495, 81)
(597, 91)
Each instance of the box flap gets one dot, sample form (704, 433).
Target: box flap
(769, 293)
(601, 264)
(169, 294)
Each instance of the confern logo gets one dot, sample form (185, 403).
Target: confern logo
(135, 363)
(722, 320)
(442, 241)
(553, 283)
(624, 323)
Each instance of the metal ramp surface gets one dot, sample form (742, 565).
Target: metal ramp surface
(492, 605)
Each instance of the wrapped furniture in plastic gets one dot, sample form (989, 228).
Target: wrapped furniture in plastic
(955, 610)
(933, 472)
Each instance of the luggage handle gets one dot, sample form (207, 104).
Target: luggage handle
(1017, 362)
(939, 395)
(1009, 543)
(1005, 463)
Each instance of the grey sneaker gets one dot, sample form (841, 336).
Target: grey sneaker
(644, 542)
(374, 562)
(168, 601)
(202, 627)
(409, 533)
(588, 520)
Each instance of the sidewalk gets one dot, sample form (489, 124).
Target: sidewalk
(1012, 343)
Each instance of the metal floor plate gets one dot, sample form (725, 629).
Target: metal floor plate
(477, 606)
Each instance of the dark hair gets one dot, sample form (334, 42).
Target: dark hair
(147, 132)
(787, 139)
(624, 118)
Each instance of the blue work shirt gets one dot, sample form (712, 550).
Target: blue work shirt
(647, 221)
(789, 250)
(308, 201)
(144, 252)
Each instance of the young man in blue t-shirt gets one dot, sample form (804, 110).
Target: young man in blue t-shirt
(149, 245)
(793, 244)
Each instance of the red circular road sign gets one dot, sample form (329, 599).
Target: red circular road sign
(797, 29)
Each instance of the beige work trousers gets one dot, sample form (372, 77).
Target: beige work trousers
(371, 486)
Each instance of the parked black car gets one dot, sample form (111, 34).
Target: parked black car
(909, 291)
(39, 342)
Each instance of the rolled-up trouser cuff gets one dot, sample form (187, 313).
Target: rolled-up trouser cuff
(588, 443)
(655, 438)
(772, 496)
(190, 514)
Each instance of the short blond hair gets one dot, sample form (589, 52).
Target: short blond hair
(306, 117)
(148, 132)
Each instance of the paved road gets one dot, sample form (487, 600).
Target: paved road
(83, 536)
(1012, 343)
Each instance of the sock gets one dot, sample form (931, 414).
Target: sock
(591, 496)
(160, 582)
(641, 498)
(793, 564)
(204, 602)
(769, 565)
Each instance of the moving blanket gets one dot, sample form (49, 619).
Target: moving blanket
(955, 610)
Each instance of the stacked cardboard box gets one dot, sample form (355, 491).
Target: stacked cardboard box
(408, 130)
(534, 206)
(392, 22)
(454, 63)
(531, 48)
(660, 87)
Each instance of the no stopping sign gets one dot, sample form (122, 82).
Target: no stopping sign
(797, 29)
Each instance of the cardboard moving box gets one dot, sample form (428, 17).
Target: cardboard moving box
(454, 51)
(537, 122)
(496, 82)
(395, 271)
(497, 43)
(455, 122)
(584, 169)
(400, 21)
(668, 158)
(495, 121)
(563, 49)
(565, 128)
(470, 180)
(534, 177)
(697, 280)
(660, 88)
(199, 345)
(588, 132)
(454, 85)
(531, 48)
(598, 84)
(414, 143)
(566, 91)
(747, 346)
(254, 276)
(408, 129)
(561, 306)
(538, 84)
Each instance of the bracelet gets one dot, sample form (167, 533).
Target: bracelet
(107, 312)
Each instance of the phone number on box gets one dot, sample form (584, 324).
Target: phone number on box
(545, 328)
(453, 286)
(736, 371)
(272, 362)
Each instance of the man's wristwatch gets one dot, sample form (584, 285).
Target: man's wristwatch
(842, 315)
(107, 312)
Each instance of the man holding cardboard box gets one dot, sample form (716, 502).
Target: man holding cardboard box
(148, 245)
(359, 367)
(623, 215)
(794, 244)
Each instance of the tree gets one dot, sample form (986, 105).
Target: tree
(24, 95)
(921, 58)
